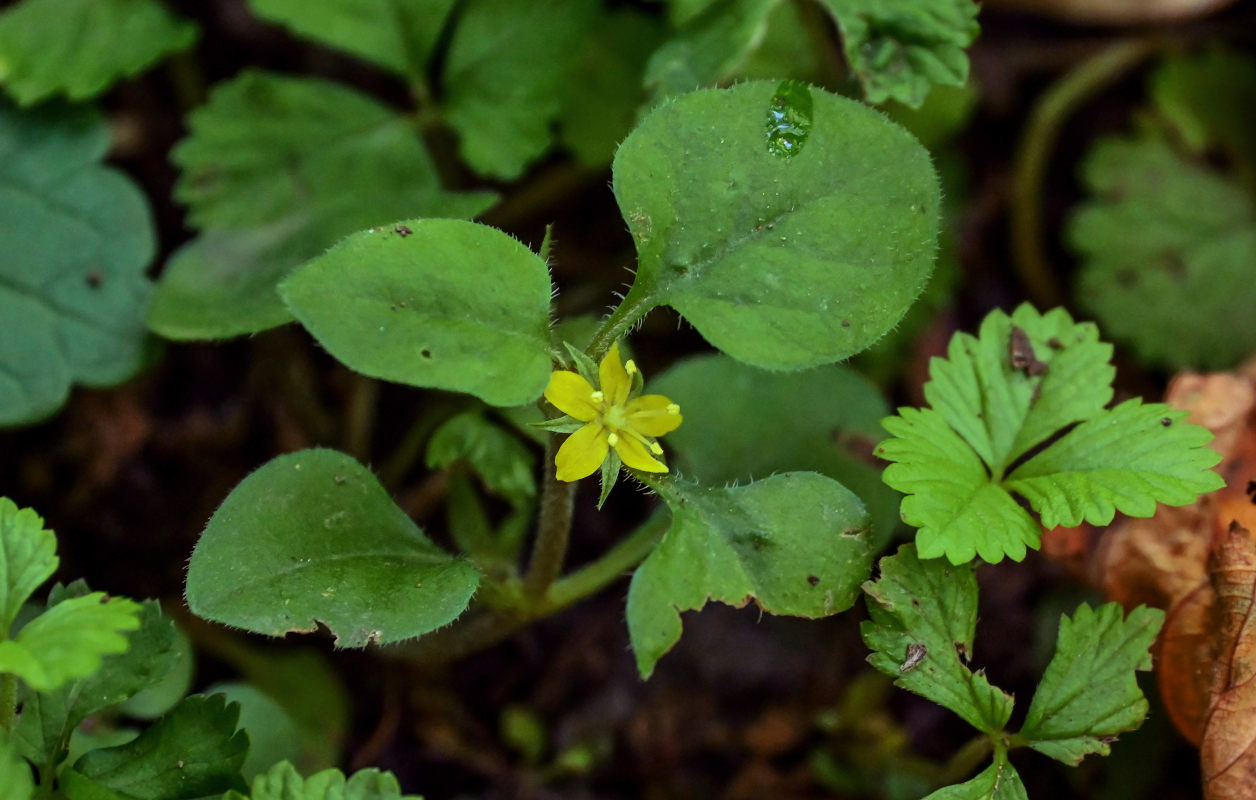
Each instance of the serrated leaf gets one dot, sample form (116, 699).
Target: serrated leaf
(49, 718)
(795, 544)
(69, 640)
(923, 623)
(504, 78)
(500, 459)
(997, 401)
(1160, 227)
(273, 734)
(709, 48)
(999, 781)
(28, 557)
(437, 303)
(311, 537)
(79, 48)
(192, 752)
(77, 238)
(15, 773)
(276, 170)
(1089, 693)
(754, 423)
(283, 782)
(759, 250)
(1209, 98)
(899, 49)
(399, 35)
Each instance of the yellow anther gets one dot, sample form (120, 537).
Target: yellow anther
(631, 367)
(655, 449)
(612, 439)
(672, 408)
(597, 397)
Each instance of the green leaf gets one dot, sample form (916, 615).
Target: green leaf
(164, 693)
(743, 423)
(436, 303)
(998, 399)
(28, 557)
(192, 752)
(1089, 693)
(276, 170)
(1160, 227)
(505, 76)
(311, 537)
(79, 48)
(898, 49)
(69, 640)
(770, 255)
(923, 623)
(500, 459)
(283, 782)
(49, 718)
(77, 238)
(795, 544)
(709, 48)
(999, 781)
(15, 773)
(273, 735)
(1209, 98)
(399, 36)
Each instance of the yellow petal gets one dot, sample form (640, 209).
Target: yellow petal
(582, 453)
(632, 451)
(653, 415)
(615, 380)
(572, 395)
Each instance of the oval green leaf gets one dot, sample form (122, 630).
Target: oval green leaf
(437, 303)
(312, 537)
(782, 260)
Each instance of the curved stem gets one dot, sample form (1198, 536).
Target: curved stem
(1033, 154)
(360, 412)
(553, 532)
(608, 568)
(625, 315)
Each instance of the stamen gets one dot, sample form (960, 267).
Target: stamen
(597, 397)
(631, 367)
(672, 408)
(655, 449)
(612, 439)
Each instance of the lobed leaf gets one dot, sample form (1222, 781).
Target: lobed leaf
(923, 618)
(69, 640)
(708, 49)
(15, 773)
(1089, 693)
(500, 459)
(1020, 408)
(28, 557)
(283, 782)
(795, 544)
(788, 239)
(999, 781)
(437, 303)
(311, 537)
(899, 49)
(77, 238)
(79, 48)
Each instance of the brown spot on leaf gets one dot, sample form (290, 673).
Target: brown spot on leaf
(1021, 353)
(403, 231)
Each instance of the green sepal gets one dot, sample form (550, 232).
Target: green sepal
(563, 424)
(583, 364)
(610, 473)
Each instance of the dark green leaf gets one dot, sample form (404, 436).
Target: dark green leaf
(709, 48)
(999, 781)
(500, 459)
(273, 735)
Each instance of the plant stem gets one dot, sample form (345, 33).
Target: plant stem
(360, 413)
(966, 760)
(1047, 119)
(625, 315)
(8, 701)
(595, 576)
(553, 532)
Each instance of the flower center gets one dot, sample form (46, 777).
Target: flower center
(615, 418)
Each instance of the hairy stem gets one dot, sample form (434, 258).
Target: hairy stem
(608, 568)
(1033, 155)
(553, 532)
(625, 315)
(8, 701)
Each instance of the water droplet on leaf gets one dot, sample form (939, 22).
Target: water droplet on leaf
(789, 119)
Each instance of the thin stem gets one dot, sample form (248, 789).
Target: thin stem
(360, 414)
(553, 533)
(609, 567)
(966, 760)
(625, 315)
(1053, 109)
(8, 701)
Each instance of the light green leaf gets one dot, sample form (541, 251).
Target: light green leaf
(79, 48)
(1089, 693)
(709, 48)
(921, 631)
(192, 752)
(312, 537)
(28, 557)
(999, 781)
(398, 35)
(898, 49)
(68, 640)
(49, 718)
(436, 303)
(505, 75)
(15, 773)
(500, 459)
(76, 238)
(277, 169)
(1209, 98)
(1160, 227)
(795, 544)
(743, 423)
(283, 782)
(273, 735)
(783, 261)
(1000, 397)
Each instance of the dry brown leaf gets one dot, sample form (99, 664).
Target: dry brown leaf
(1114, 12)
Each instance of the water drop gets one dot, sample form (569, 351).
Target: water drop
(789, 119)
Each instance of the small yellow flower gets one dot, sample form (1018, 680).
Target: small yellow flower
(612, 417)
